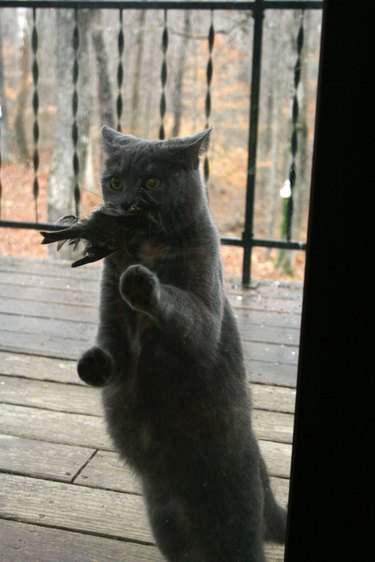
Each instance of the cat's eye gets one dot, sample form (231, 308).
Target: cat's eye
(115, 183)
(152, 183)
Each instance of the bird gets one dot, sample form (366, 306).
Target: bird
(104, 230)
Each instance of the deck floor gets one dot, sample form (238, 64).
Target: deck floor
(64, 495)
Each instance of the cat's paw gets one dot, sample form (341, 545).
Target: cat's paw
(140, 288)
(95, 367)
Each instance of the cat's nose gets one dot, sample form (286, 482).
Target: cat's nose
(125, 205)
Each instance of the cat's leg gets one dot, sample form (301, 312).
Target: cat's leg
(274, 515)
(170, 526)
(95, 367)
(181, 314)
(140, 288)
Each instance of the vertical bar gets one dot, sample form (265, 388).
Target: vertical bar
(120, 71)
(209, 73)
(75, 74)
(294, 137)
(247, 235)
(1, 160)
(35, 103)
(163, 77)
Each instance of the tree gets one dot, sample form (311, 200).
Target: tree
(22, 97)
(5, 141)
(181, 67)
(139, 46)
(105, 94)
(61, 200)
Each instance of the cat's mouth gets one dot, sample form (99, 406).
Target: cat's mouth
(145, 209)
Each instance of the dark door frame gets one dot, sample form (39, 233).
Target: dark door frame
(332, 495)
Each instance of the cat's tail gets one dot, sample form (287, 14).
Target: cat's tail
(274, 515)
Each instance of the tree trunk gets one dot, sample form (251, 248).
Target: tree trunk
(5, 140)
(181, 64)
(134, 119)
(105, 94)
(22, 97)
(61, 178)
(285, 259)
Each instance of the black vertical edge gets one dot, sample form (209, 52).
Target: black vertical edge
(75, 104)
(332, 491)
(35, 104)
(294, 135)
(208, 104)
(247, 235)
(120, 70)
(163, 76)
(1, 161)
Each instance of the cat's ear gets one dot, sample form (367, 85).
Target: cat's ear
(113, 140)
(190, 148)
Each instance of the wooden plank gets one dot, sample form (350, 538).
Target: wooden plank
(272, 373)
(89, 431)
(56, 427)
(52, 396)
(59, 370)
(268, 288)
(24, 279)
(268, 318)
(277, 457)
(257, 302)
(22, 542)
(107, 470)
(53, 267)
(76, 312)
(273, 426)
(79, 313)
(38, 367)
(74, 507)
(270, 334)
(48, 267)
(45, 368)
(48, 295)
(21, 342)
(41, 459)
(276, 399)
(109, 514)
(87, 400)
(270, 364)
(281, 289)
(49, 327)
(271, 352)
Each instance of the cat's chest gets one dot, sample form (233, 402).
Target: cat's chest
(151, 254)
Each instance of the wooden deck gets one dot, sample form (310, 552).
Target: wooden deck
(64, 496)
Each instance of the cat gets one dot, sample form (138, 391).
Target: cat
(168, 356)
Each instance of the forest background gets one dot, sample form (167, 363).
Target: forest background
(47, 41)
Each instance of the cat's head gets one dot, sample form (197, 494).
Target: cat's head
(166, 171)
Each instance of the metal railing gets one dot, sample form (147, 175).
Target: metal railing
(258, 8)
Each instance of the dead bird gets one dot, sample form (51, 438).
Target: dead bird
(106, 229)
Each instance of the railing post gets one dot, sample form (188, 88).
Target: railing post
(247, 235)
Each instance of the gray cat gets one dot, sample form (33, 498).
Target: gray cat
(169, 358)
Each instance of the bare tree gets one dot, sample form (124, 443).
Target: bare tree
(105, 94)
(62, 178)
(139, 46)
(5, 143)
(22, 97)
(181, 66)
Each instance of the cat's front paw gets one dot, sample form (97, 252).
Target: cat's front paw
(140, 288)
(95, 367)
